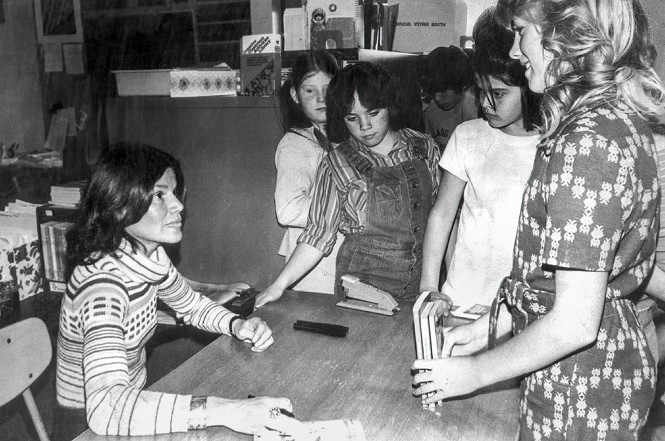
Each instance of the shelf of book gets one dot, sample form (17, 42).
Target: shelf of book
(53, 222)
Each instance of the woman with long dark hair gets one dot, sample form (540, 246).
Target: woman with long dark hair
(134, 205)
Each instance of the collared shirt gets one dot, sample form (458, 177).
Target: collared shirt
(340, 196)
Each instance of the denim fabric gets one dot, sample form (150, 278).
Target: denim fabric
(388, 252)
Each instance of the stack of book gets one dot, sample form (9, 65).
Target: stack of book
(21, 207)
(54, 247)
(428, 324)
(69, 194)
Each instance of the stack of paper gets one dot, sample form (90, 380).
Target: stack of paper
(69, 194)
(22, 207)
(18, 224)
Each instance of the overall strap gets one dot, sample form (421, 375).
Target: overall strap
(419, 147)
(417, 143)
(361, 164)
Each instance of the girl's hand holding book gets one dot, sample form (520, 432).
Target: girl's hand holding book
(465, 339)
(444, 378)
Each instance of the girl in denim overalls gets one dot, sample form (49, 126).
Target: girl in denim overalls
(376, 187)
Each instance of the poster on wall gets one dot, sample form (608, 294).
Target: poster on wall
(424, 25)
(58, 21)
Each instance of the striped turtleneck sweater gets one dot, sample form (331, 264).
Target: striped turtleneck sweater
(107, 315)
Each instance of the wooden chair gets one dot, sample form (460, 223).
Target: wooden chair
(25, 352)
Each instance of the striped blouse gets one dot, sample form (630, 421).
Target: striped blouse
(340, 196)
(107, 315)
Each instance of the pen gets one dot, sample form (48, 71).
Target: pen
(282, 411)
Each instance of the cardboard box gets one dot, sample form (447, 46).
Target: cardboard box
(203, 82)
(295, 30)
(260, 64)
(143, 82)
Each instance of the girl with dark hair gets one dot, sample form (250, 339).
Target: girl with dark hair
(133, 206)
(586, 235)
(298, 155)
(376, 187)
(485, 165)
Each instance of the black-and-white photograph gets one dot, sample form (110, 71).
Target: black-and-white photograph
(332, 220)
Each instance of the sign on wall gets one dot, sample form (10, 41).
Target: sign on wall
(423, 25)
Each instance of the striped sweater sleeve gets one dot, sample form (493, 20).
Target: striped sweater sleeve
(195, 309)
(114, 404)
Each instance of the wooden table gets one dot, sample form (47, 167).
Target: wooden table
(364, 376)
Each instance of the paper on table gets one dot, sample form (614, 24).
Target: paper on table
(333, 430)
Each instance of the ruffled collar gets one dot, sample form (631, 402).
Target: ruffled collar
(140, 267)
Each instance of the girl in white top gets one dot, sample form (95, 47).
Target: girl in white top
(298, 156)
(486, 164)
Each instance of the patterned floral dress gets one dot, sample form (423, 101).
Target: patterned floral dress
(591, 204)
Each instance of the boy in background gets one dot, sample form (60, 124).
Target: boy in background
(447, 80)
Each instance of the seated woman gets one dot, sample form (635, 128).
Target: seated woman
(133, 206)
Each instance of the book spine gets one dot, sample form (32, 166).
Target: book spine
(435, 337)
(424, 332)
(53, 250)
(59, 257)
(431, 325)
(46, 248)
(416, 333)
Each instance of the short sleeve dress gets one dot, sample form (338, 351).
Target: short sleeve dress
(591, 204)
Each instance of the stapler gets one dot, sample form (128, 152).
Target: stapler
(243, 304)
(365, 297)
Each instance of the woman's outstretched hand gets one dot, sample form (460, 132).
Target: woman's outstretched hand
(256, 416)
(270, 294)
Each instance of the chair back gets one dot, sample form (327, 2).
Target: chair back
(25, 352)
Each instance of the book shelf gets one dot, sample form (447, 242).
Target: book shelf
(53, 285)
(173, 33)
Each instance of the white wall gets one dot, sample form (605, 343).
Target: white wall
(655, 11)
(474, 9)
(21, 115)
